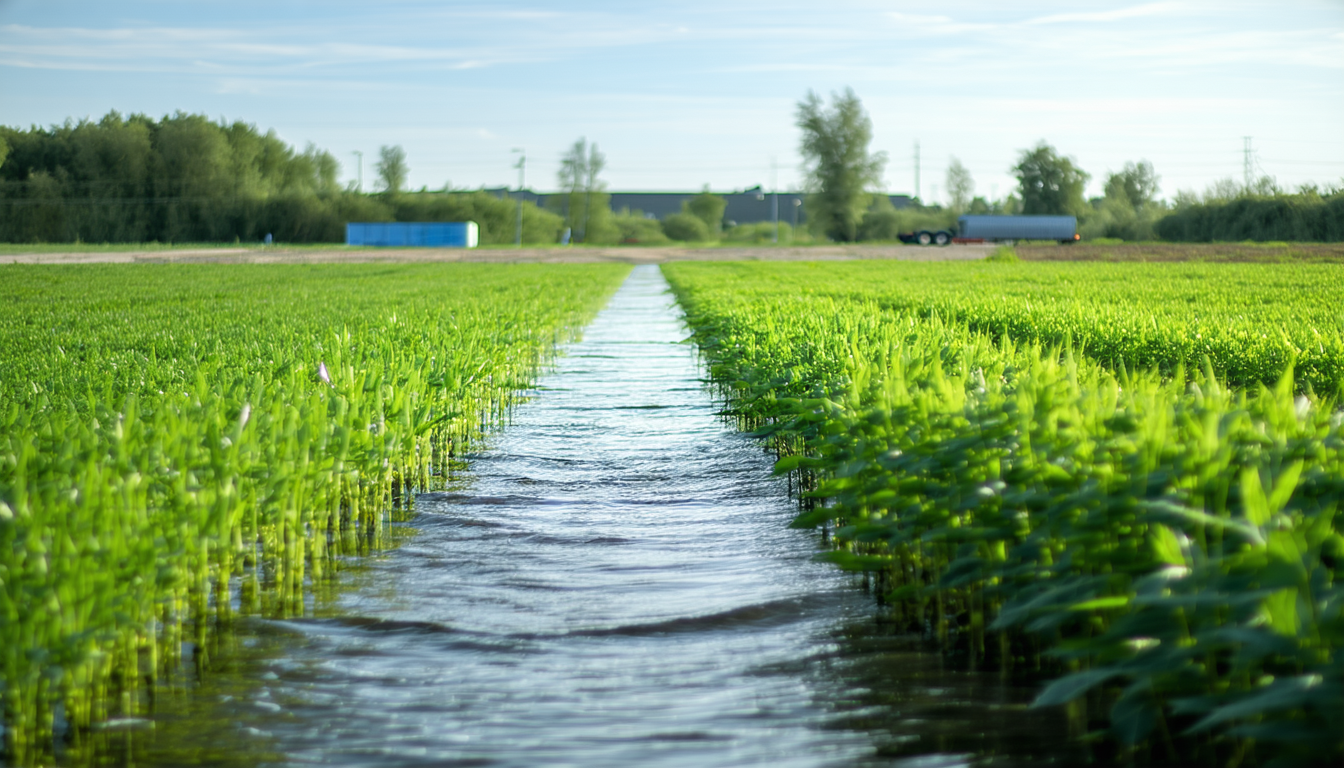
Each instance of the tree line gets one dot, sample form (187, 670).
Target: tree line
(841, 172)
(185, 178)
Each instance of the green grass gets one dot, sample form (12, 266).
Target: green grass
(1161, 545)
(179, 442)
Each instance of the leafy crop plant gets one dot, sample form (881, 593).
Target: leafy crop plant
(179, 443)
(1159, 546)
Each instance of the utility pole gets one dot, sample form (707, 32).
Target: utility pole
(774, 200)
(917, 171)
(521, 165)
(360, 186)
(1247, 160)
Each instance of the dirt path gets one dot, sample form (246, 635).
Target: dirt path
(570, 255)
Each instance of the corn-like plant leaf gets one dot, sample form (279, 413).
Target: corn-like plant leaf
(1068, 688)
(1284, 693)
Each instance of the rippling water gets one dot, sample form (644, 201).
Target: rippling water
(615, 585)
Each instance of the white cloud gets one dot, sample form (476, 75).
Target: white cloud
(1136, 11)
(916, 24)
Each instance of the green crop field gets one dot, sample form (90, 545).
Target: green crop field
(1121, 478)
(181, 442)
(1249, 322)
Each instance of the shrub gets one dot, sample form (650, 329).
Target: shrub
(635, 228)
(685, 227)
(758, 233)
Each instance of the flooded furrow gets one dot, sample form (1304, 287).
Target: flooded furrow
(615, 584)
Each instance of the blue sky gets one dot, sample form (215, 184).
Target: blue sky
(682, 95)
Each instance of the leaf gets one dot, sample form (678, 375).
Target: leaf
(1174, 511)
(813, 517)
(1118, 601)
(1167, 546)
(962, 571)
(1133, 716)
(1068, 688)
(1253, 500)
(1284, 486)
(1281, 607)
(1284, 693)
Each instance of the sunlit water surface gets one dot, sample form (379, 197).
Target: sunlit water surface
(614, 585)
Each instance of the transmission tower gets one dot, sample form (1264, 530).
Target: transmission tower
(917, 170)
(1247, 160)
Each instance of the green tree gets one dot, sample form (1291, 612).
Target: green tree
(839, 167)
(185, 177)
(578, 176)
(708, 208)
(1127, 210)
(392, 168)
(1136, 184)
(960, 186)
(4, 150)
(194, 156)
(1049, 183)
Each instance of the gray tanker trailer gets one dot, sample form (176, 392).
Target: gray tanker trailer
(999, 229)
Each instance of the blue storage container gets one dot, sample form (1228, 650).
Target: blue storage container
(1060, 228)
(413, 234)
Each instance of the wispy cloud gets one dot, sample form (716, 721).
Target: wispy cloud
(937, 25)
(238, 50)
(1132, 12)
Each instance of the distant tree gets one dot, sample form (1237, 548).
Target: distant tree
(1184, 198)
(574, 167)
(960, 186)
(4, 150)
(685, 227)
(324, 168)
(194, 158)
(579, 168)
(1135, 185)
(1049, 183)
(839, 168)
(979, 206)
(1265, 186)
(709, 208)
(392, 168)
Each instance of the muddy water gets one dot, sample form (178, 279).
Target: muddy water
(614, 585)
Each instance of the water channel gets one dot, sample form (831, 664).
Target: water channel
(614, 584)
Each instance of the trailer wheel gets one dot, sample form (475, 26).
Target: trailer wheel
(942, 238)
(924, 238)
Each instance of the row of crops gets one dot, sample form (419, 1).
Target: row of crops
(1119, 479)
(179, 444)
